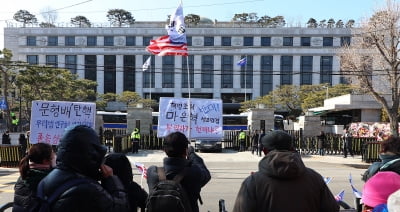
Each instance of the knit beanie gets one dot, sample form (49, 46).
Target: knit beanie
(277, 140)
(394, 202)
(378, 188)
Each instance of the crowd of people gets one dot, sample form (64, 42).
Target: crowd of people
(107, 179)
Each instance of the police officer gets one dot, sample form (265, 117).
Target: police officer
(135, 138)
(242, 140)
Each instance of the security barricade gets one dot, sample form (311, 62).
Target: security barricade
(10, 155)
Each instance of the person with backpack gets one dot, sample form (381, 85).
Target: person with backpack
(74, 184)
(33, 167)
(390, 158)
(181, 168)
(283, 183)
(122, 168)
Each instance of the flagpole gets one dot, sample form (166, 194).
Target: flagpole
(189, 108)
(245, 79)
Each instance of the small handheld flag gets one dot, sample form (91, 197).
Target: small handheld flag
(356, 193)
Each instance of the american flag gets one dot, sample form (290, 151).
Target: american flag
(142, 169)
(175, 42)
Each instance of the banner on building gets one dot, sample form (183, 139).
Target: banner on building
(50, 118)
(205, 117)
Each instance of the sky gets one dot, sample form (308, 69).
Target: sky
(295, 11)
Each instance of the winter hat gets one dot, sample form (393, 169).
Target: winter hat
(394, 202)
(378, 188)
(277, 139)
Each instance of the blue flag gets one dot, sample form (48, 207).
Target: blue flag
(3, 104)
(242, 62)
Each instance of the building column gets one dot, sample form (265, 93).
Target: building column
(335, 70)
(217, 77)
(316, 76)
(276, 68)
(80, 67)
(296, 70)
(100, 74)
(256, 76)
(178, 90)
(119, 75)
(139, 79)
(197, 71)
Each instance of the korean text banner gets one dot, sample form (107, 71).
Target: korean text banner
(205, 116)
(50, 118)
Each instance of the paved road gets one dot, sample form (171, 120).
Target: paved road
(228, 169)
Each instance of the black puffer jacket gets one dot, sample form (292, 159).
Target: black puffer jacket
(25, 190)
(79, 156)
(197, 176)
(283, 184)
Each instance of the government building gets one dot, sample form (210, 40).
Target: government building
(113, 57)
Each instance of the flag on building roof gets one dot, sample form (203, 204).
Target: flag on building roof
(175, 42)
(142, 169)
(242, 62)
(146, 64)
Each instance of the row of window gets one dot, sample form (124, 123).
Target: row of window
(207, 71)
(208, 41)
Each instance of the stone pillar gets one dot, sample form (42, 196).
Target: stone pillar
(311, 125)
(139, 115)
(261, 116)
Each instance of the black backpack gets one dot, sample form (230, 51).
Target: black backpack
(43, 202)
(168, 194)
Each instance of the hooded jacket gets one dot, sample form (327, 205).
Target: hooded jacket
(80, 155)
(283, 184)
(197, 176)
(378, 166)
(123, 169)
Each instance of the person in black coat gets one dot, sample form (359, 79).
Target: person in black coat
(123, 169)
(37, 164)
(6, 138)
(321, 143)
(181, 156)
(80, 155)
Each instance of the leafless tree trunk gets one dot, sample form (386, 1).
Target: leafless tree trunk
(372, 60)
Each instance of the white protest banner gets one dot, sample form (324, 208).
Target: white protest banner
(206, 117)
(50, 118)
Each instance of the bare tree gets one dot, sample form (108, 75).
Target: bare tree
(49, 14)
(372, 60)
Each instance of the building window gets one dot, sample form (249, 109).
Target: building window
(31, 40)
(326, 69)
(305, 41)
(189, 40)
(185, 72)
(208, 41)
(130, 40)
(129, 72)
(70, 63)
(266, 74)
(52, 41)
(226, 41)
(287, 41)
(327, 41)
(265, 41)
(226, 71)
(146, 40)
(207, 74)
(248, 41)
(70, 40)
(286, 70)
(91, 67)
(306, 65)
(246, 73)
(52, 60)
(168, 69)
(91, 40)
(108, 40)
(345, 41)
(32, 59)
(109, 73)
(149, 74)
